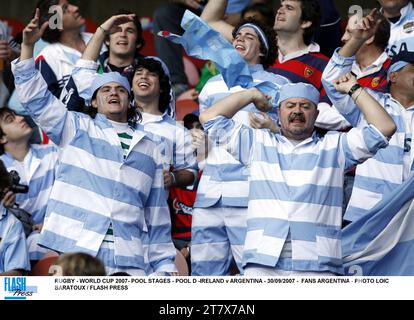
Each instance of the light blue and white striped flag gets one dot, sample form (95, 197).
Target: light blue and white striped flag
(381, 243)
(202, 42)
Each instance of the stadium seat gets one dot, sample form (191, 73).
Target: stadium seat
(149, 47)
(42, 267)
(15, 25)
(90, 25)
(184, 107)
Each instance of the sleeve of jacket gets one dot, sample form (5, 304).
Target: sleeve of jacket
(337, 67)
(235, 137)
(47, 110)
(49, 76)
(15, 252)
(161, 250)
(83, 75)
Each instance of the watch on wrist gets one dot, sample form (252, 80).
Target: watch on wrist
(354, 88)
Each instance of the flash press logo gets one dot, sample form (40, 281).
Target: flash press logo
(17, 289)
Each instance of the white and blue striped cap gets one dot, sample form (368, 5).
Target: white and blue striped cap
(102, 79)
(399, 61)
(299, 90)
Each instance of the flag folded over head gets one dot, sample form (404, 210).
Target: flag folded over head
(200, 41)
(381, 243)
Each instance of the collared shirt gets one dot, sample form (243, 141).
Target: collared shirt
(38, 172)
(372, 68)
(313, 47)
(375, 75)
(303, 66)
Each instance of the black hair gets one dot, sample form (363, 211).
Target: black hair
(155, 66)
(311, 11)
(189, 119)
(382, 35)
(267, 59)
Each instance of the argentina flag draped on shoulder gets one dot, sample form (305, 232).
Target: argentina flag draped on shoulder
(381, 243)
(202, 42)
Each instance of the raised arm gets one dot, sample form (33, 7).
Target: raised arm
(373, 112)
(213, 14)
(31, 34)
(360, 31)
(47, 111)
(105, 29)
(229, 106)
(342, 61)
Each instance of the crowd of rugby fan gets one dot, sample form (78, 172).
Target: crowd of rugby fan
(246, 184)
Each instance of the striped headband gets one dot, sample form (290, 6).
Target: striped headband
(259, 33)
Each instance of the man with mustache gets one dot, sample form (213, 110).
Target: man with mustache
(296, 177)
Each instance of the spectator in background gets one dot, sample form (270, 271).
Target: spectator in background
(124, 43)
(191, 121)
(35, 164)
(371, 61)
(299, 58)
(168, 18)
(370, 67)
(259, 11)
(14, 259)
(9, 50)
(393, 165)
(79, 264)
(400, 14)
(57, 60)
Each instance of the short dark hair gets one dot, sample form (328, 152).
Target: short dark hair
(154, 65)
(189, 119)
(311, 11)
(3, 113)
(382, 35)
(50, 35)
(138, 25)
(268, 59)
